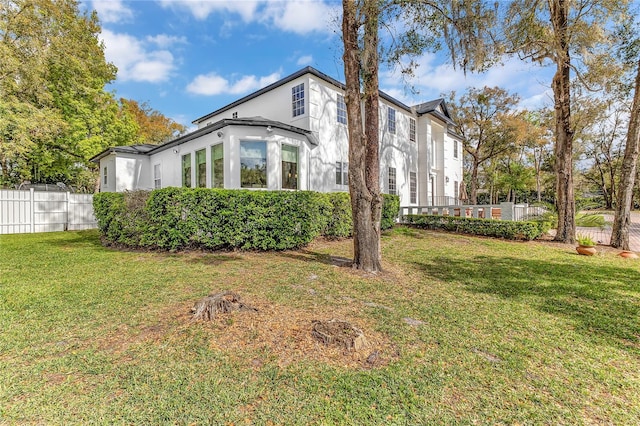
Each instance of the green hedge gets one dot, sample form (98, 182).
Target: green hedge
(511, 230)
(176, 218)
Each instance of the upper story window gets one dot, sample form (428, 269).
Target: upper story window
(234, 115)
(412, 130)
(104, 175)
(342, 110)
(186, 170)
(253, 164)
(157, 176)
(217, 166)
(201, 168)
(289, 167)
(297, 99)
(391, 120)
(455, 149)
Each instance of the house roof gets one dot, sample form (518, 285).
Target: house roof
(147, 149)
(437, 108)
(288, 79)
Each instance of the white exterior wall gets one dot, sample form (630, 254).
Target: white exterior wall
(333, 136)
(125, 172)
(170, 161)
(275, 105)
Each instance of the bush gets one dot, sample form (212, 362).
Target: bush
(510, 230)
(177, 218)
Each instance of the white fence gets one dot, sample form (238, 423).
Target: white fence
(503, 211)
(37, 211)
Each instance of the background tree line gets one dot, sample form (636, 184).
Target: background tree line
(55, 113)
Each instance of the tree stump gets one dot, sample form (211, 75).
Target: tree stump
(339, 333)
(219, 303)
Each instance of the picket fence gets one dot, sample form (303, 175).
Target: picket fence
(28, 211)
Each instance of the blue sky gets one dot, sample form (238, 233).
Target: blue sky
(187, 58)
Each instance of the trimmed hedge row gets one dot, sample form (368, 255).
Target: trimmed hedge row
(176, 218)
(510, 230)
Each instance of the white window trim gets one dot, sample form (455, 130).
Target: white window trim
(157, 180)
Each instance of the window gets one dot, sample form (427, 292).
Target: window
(455, 149)
(392, 180)
(157, 176)
(342, 110)
(433, 152)
(201, 168)
(456, 189)
(297, 99)
(413, 188)
(342, 173)
(186, 170)
(391, 120)
(104, 175)
(289, 167)
(412, 130)
(234, 115)
(253, 164)
(217, 166)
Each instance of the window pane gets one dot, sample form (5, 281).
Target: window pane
(186, 170)
(297, 99)
(392, 180)
(157, 177)
(342, 110)
(391, 120)
(413, 187)
(338, 173)
(253, 164)
(201, 168)
(412, 130)
(105, 175)
(289, 167)
(217, 165)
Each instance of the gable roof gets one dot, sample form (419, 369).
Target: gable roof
(437, 108)
(147, 149)
(307, 70)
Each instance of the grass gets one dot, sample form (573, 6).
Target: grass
(469, 330)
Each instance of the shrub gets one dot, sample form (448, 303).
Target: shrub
(339, 219)
(390, 210)
(510, 230)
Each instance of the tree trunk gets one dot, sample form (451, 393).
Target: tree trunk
(622, 218)
(474, 183)
(364, 164)
(561, 85)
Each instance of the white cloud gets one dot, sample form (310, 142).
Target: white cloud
(305, 60)
(299, 17)
(201, 9)
(212, 84)
(432, 78)
(134, 60)
(164, 40)
(112, 11)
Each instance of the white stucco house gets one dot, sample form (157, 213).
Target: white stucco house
(292, 135)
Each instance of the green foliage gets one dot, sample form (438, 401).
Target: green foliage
(590, 220)
(339, 219)
(390, 210)
(178, 218)
(510, 230)
(585, 240)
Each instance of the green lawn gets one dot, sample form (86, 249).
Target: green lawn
(469, 331)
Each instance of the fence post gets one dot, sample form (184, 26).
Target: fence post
(506, 211)
(32, 206)
(66, 221)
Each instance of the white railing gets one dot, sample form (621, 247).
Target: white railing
(28, 211)
(503, 211)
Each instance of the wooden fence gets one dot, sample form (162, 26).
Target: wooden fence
(27, 211)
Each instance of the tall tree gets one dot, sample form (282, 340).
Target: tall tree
(461, 25)
(154, 127)
(622, 218)
(575, 36)
(486, 120)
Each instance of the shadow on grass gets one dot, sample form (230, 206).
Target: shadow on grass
(304, 255)
(602, 301)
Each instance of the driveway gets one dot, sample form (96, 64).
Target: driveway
(603, 236)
